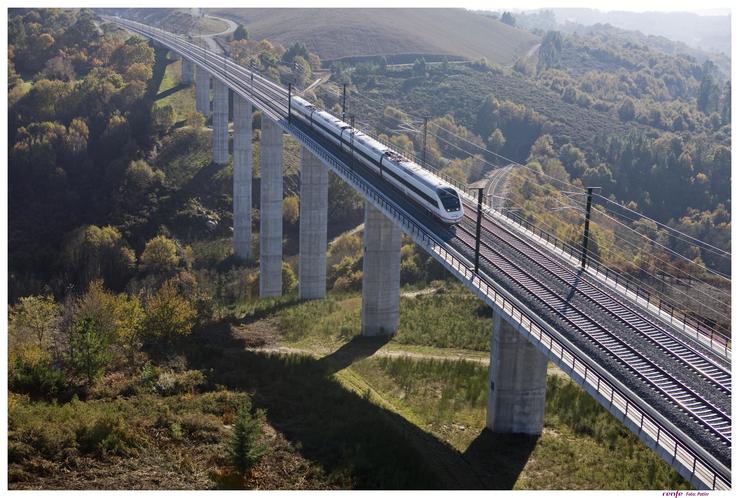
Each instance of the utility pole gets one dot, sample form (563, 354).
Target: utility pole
(343, 105)
(289, 103)
(253, 67)
(586, 231)
(480, 191)
(425, 127)
(351, 141)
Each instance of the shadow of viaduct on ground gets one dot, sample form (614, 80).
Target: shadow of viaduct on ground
(351, 438)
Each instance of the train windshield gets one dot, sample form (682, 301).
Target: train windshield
(449, 198)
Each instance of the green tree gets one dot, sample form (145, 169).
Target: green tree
(291, 209)
(496, 142)
(726, 103)
(297, 49)
(92, 253)
(419, 67)
(289, 280)
(240, 33)
(168, 314)
(115, 317)
(129, 320)
(160, 256)
(550, 50)
(709, 91)
(507, 18)
(88, 350)
(627, 110)
(301, 71)
(34, 319)
(245, 449)
(139, 72)
(163, 118)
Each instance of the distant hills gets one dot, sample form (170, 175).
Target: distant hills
(711, 33)
(340, 33)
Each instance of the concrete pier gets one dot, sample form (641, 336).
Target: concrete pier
(220, 122)
(187, 71)
(270, 216)
(313, 219)
(242, 163)
(202, 92)
(518, 382)
(381, 279)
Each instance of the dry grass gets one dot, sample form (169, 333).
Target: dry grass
(337, 33)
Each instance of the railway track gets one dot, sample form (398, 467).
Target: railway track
(711, 417)
(600, 301)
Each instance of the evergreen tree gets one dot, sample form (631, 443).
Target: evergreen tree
(550, 50)
(508, 19)
(726, 104)
(708, 94)
(244, 449)
(88, 350)
(241, 33)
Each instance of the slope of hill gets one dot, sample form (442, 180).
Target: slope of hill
(337, 33)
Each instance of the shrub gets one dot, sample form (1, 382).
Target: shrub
(32, 373)
(347, 245)
(200, 426)
(169, 383)
(108, 434)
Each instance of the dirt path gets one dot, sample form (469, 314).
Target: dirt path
(266, 331)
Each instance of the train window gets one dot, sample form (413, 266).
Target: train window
(449, 198)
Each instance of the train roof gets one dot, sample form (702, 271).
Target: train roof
(421, 174)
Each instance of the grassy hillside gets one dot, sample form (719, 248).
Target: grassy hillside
(337, 33)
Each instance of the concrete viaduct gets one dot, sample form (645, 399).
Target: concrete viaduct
(521, 344)
(518, 370)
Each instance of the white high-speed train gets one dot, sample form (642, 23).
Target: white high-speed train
(435, 195)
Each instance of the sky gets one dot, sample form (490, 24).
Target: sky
(697, 6)
(702, 7)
